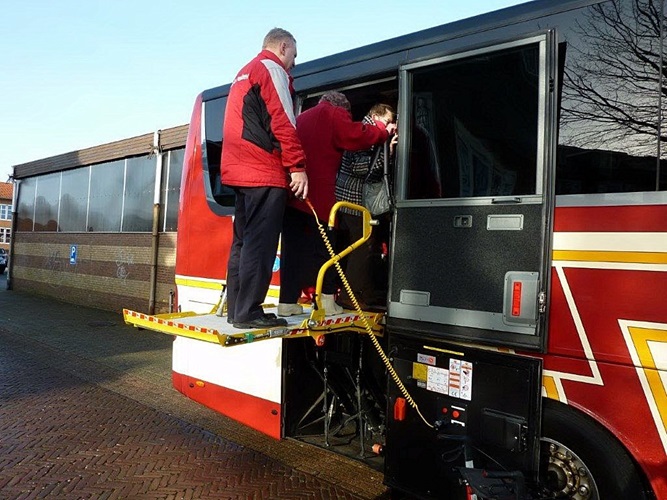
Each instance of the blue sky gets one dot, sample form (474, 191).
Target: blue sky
(79, 73)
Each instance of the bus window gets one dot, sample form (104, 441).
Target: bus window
(609, 116)
(474, 126)
(216, 193)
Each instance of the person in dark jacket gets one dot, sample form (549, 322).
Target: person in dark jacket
(366, 267)
(326, 131)
(262, 160)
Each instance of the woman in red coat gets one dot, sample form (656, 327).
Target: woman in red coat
(325, 131)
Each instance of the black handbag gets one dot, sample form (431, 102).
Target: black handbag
(376, 196)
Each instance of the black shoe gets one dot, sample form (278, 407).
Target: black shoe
(230, 319)
(265, 321)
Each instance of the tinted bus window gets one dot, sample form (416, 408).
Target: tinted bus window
(216, 193)
(474, 126)
(609, 117)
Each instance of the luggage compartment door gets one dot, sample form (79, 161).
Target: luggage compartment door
(472, 225)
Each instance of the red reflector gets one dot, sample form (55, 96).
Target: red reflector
(516, 299)
(399, 409)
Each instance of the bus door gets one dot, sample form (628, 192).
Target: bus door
(472, 225)
(469, 262)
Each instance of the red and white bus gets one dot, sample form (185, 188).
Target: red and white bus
(527, 261)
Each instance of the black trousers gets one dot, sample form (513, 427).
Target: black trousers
(257, 223)
(302, 253)
(366, 268)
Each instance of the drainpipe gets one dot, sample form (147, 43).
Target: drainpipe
(10, 257)
(155, 233)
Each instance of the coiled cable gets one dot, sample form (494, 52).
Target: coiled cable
(367, 326)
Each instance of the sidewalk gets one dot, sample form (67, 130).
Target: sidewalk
(87, 410)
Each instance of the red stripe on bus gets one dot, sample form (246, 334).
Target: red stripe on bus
(637, 218)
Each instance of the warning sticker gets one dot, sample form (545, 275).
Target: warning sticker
(419, 371)
(466, 380)
(455, 378)
(426, 358)
(454, 381)
(437, 380)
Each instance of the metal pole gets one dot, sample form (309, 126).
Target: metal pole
(155, 232)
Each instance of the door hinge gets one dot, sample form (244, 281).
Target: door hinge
(542, 302)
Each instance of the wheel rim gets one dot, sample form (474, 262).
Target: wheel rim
(567, 475)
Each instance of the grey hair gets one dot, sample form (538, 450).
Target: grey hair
(276, 36)
(336, 99)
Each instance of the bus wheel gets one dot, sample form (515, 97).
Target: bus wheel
(583, 460)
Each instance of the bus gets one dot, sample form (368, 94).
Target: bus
(526, 314)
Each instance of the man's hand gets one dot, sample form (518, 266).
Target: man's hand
(391, 128)
(299, 184)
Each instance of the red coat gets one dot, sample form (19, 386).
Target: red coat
(260, 145)
(326, 131)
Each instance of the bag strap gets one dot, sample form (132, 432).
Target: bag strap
(385, 173)
(374, 158)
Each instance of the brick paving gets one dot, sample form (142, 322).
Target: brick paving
(87, 411)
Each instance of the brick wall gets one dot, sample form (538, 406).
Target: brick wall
(6, 190)
(112, 270)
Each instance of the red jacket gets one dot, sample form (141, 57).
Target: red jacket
(260, 145)
(326, 131)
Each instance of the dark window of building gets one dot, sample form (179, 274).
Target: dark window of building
(106, 196)
(74, 200)
(139, 194)
(46, 202)
(171, 188)
(25, 212)
(474, 126)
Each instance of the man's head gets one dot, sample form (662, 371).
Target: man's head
(283, 44)
(336, 99)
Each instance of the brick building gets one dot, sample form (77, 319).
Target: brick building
(97, 227)
(6, 192)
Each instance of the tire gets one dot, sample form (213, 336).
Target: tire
(585, 461)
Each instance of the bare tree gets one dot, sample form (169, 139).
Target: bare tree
(612, 80)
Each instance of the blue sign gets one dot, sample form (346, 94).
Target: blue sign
(72, 254)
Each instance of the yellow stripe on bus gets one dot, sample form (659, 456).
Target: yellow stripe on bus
(211, 285)
(214, 285)
(642, 339)
(550, 388)
(605, 256)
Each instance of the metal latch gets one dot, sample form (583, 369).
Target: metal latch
(542, 302)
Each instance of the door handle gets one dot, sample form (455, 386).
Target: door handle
(506, 201)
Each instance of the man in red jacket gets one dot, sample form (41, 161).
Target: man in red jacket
(262, 160)
(326, 131)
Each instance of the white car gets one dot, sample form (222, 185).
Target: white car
(3, 260)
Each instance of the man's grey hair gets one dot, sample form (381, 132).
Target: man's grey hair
(277, 36)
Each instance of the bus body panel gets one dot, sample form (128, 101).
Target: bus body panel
(606, 350)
